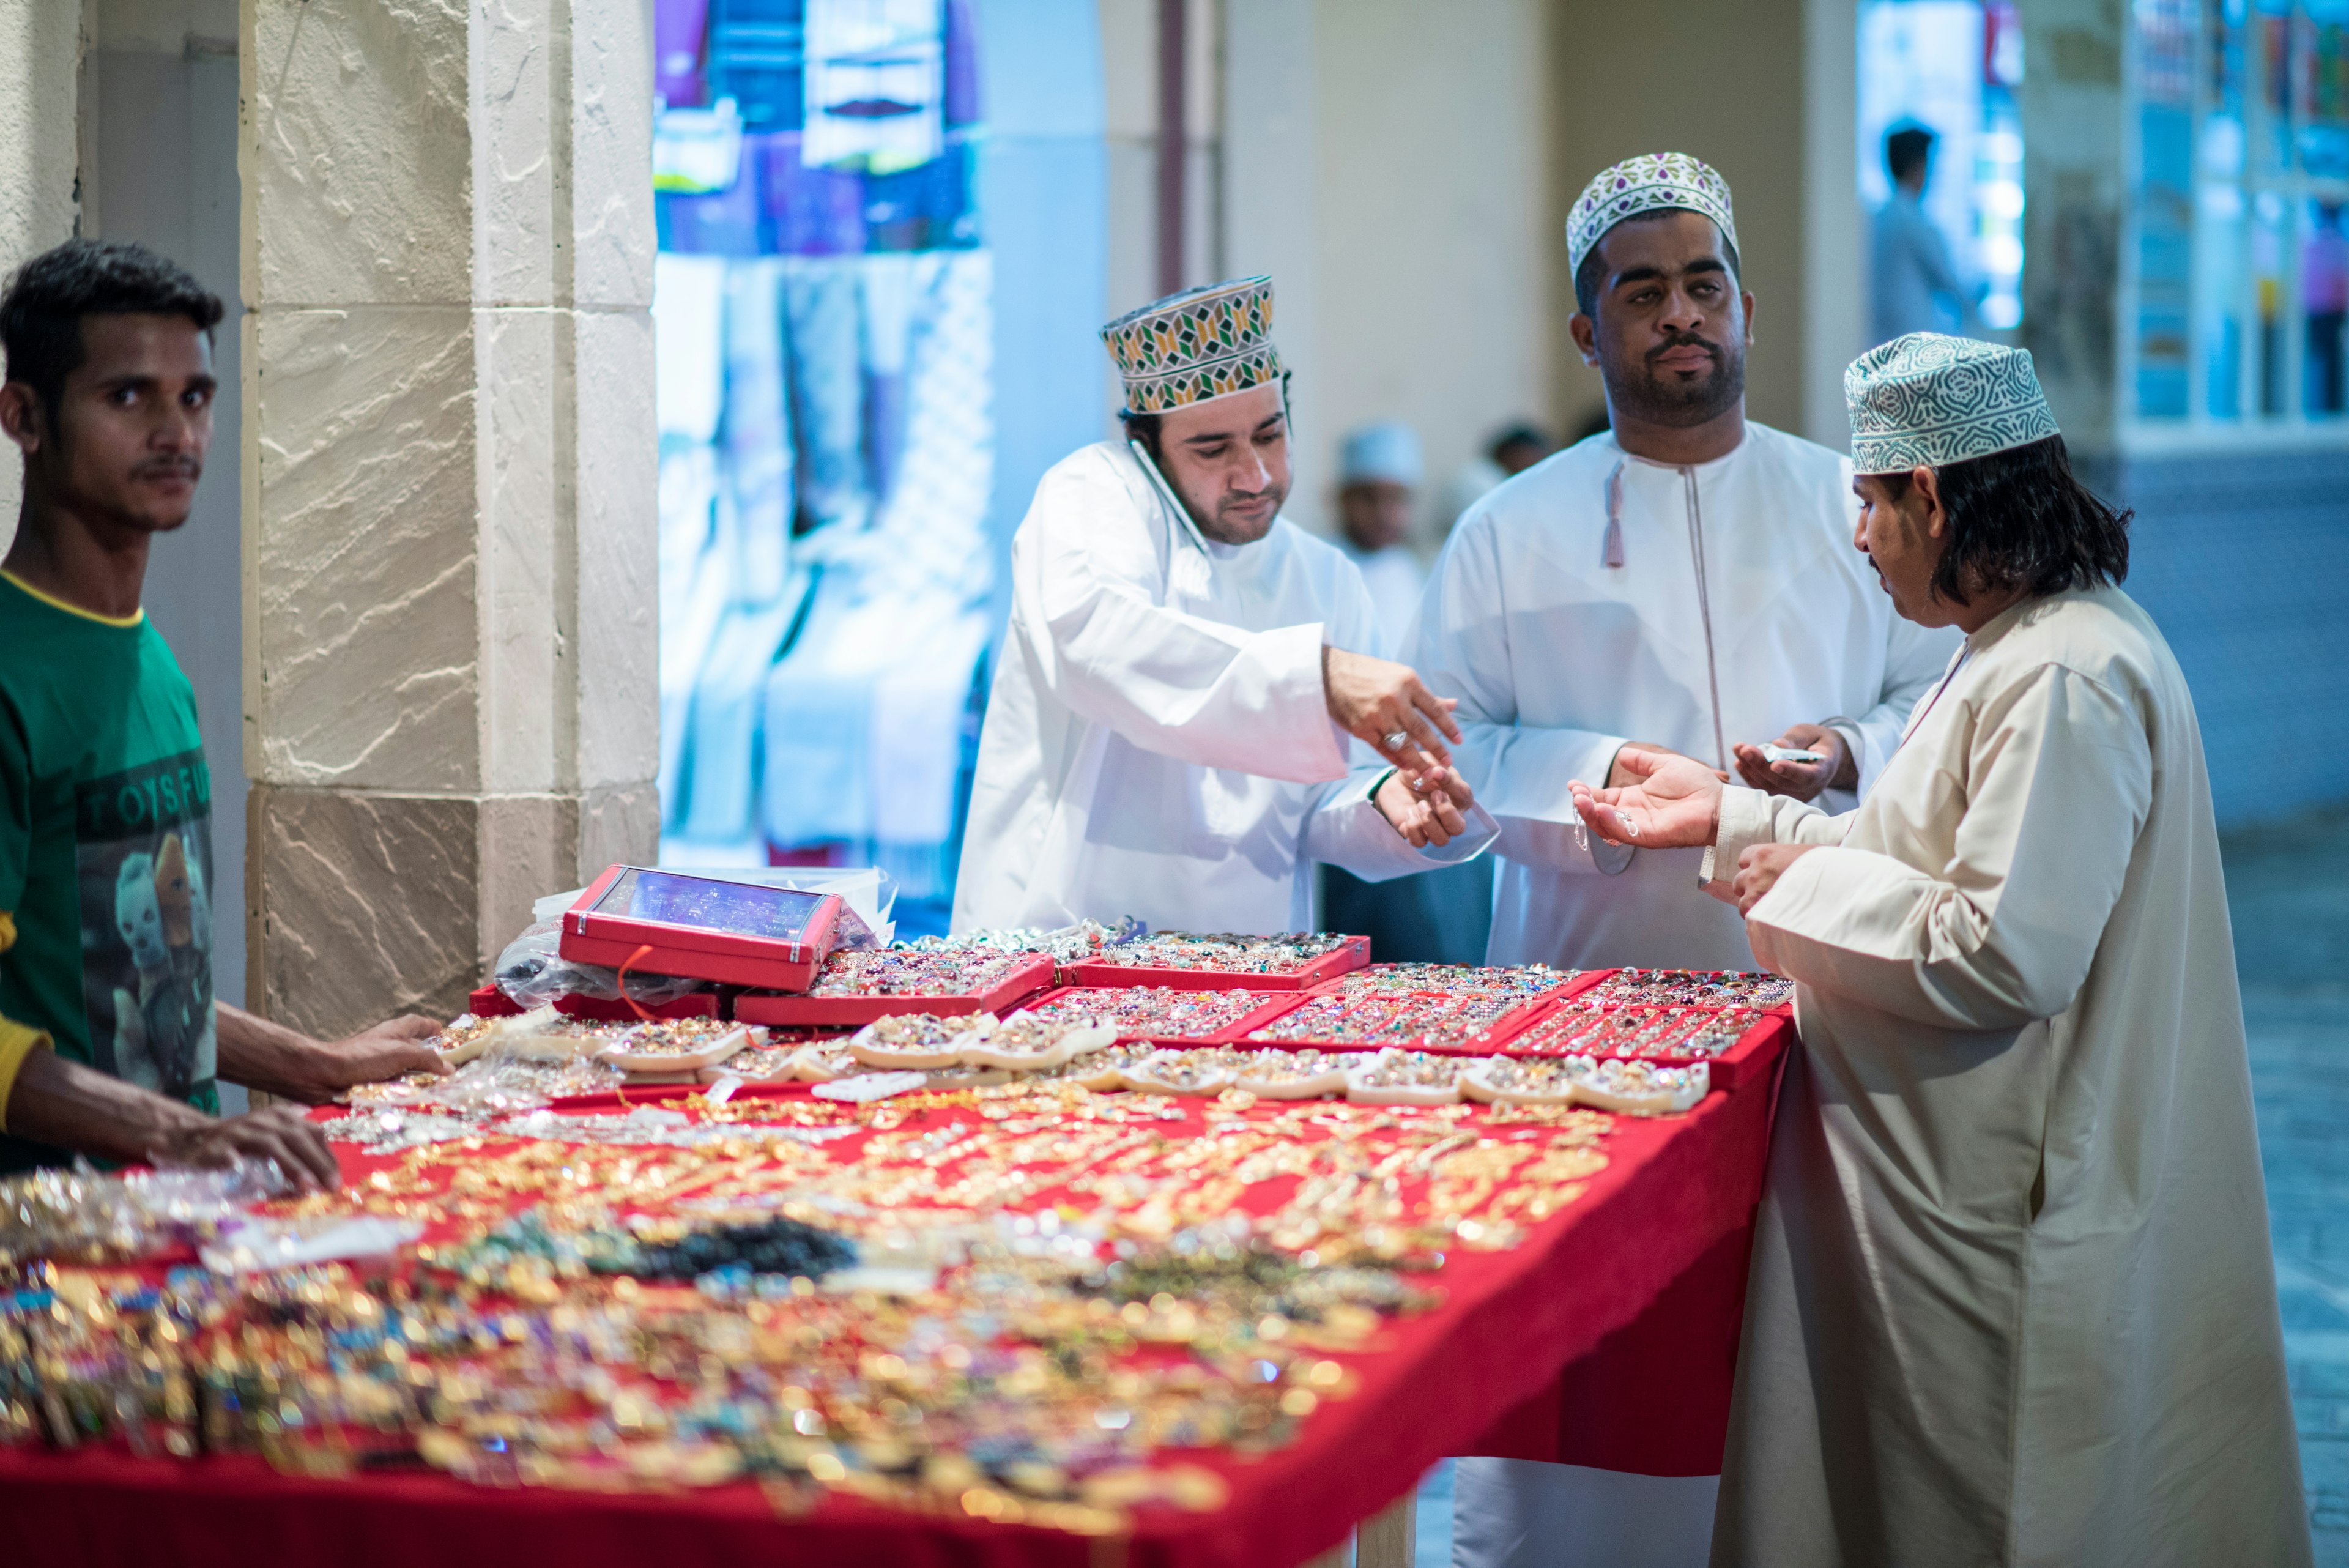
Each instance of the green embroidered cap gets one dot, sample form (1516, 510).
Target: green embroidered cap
(1926, 400)
(1200, 343)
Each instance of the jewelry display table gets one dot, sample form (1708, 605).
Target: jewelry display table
(1617, 1298)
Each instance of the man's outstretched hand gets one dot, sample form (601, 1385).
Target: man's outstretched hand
(1669, 802)
(1386, 707)
(1802, 781)
(1436, 815)
(292, 1065)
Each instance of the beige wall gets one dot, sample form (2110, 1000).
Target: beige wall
(1391, 170)
(1436, 255)
(448, 484)
(1404, 172)
(1721, 80)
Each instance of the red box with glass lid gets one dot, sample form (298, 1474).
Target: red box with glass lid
(738, 933)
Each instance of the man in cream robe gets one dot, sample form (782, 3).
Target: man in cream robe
(2011, 1299)
(1160, 741)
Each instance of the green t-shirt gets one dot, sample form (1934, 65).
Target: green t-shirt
(105, 851)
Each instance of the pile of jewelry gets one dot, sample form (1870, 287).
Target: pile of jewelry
(1394, 1078)
(903, 972)
(1065, 945)
(1223, 953)
(772, 1056)
(1008, 1292)
(1267, 1073)
(1594, 1029)
(1431, 1020)
(776, 1245)
(1525, 982)
(1151, 1012)
(1038, 1373)
(1690, 988)
(87, 1216)
(513, 1064)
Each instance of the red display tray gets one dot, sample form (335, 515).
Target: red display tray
(613, 1010)
(1483, 1043)
(1274, 1005)
(1642, 987)
(1033, 975)
(1753, 1053)
(489, 1001)
(1353, 954)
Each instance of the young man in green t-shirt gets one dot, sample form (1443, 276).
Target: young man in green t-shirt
(110, 1039)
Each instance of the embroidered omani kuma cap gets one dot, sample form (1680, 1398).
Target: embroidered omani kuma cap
(1200, 343)
(1651, 182)
(1927, 399)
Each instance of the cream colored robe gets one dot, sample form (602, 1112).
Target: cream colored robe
(2012, 1297)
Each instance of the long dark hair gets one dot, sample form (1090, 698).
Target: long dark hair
(2020, 519)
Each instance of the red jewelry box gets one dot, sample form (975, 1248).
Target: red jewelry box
(1031, 975)
(739, 933)
(1273, 1005)
(1353, 954)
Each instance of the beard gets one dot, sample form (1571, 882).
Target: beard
(1238, 519)
(1667, 397)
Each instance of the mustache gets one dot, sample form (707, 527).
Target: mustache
(167, 468)
(1683, 340)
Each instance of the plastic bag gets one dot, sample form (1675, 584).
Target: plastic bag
(533, 972)
(516, 1076)
(88, 1216)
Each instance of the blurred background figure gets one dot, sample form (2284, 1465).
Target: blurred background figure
(2324, 284)
(1379, 475)
(1434, 917)
(1913, 286)
(1513, 449)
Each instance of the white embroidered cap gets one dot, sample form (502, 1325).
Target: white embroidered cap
(1651, 182)
(1387, 450)
(1926, 400)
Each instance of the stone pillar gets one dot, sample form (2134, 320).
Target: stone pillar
(450, 458)
(40, 70)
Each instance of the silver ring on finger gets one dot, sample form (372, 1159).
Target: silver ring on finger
(1396, 741)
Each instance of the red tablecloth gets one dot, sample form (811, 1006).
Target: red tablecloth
(1633, 1293)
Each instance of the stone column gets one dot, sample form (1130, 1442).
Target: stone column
(450, 458)
(40, 70)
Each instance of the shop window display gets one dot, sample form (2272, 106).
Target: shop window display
(823, 302)
(1952, 68)
(2240, 113)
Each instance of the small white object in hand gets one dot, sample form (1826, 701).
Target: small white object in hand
(1793, 754)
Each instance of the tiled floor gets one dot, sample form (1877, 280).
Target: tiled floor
(2289, 891)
